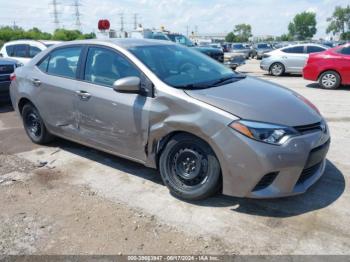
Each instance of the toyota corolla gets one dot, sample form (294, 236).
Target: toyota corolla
(207, 129)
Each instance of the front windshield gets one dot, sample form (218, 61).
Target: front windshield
(263, 46)
(180, 39)
(183, 67)
(238, 46)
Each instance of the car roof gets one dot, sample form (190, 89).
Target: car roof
(22, 41)
(122, 42)
(306, 44)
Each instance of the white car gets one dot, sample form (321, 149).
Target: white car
(290, 59)
(24, 50)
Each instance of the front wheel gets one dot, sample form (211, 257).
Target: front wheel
(189, 168)
(330, 80)
(277, 69)
(34, 125)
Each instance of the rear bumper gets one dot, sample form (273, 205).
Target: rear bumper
(310, 73)
(295, 165)
(4, 90)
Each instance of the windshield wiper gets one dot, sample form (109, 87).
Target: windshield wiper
(229, 79)
(219, 82)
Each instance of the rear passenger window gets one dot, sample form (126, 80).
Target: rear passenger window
(314, 49)
(33, 51)
(345, 50)
(64, 62)
(104, 67)
(294, 50)
(20, 50)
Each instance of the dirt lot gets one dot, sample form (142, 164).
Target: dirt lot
(69, 199)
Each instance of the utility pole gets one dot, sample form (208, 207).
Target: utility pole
(55, 13)
(121, 15)
(14, 24)
(135, 21)
(77, 14)
(187, 30)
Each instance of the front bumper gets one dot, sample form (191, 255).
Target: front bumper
(293, 166)
(234, 61)
(265, 65)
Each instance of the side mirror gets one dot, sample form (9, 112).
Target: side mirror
(131, 84)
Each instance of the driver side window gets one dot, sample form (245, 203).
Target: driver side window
(104, 67)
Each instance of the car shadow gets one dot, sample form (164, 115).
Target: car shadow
(326, 191)
(5, 107)
(115, 162)
(317, 86)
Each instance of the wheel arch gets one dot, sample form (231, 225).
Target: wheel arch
(23, 101)
(330, 69)
(164, 140)
(278, 62)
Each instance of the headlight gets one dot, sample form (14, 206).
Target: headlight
(264, 132)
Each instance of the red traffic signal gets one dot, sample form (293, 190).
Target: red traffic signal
(103, 24)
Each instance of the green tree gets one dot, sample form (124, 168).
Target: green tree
(243, 32)
(230, 37)
(340, 22)
(303, 26)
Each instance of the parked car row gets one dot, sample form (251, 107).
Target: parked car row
(330, 67)
(290, 59)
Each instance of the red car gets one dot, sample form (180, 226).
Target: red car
(330, 68)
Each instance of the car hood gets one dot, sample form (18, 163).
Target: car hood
(208, 50)
(239, 50)
(254, 99)
(264, 50)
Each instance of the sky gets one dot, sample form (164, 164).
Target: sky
(267, 17)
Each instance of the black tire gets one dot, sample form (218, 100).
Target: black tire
(277, 69)
(189, 168)
(329, 80)
(34, 125)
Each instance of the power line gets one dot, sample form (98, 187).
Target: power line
(135, 21)
(121, 22)
(55, 13)
(77, 14)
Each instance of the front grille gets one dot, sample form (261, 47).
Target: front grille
(217, 56)
(308, 172)
(309, 128)
(265, 181)
(6, 69)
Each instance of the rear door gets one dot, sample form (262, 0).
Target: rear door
(55, 82)
(294, 58)
(109, 120)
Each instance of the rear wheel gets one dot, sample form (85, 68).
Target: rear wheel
(330, 80)
(277, 69)
(189, 168)
(34, 125)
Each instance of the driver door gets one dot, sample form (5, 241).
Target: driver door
(112, 121)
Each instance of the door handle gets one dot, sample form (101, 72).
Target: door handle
(36, 82)
(83, 95)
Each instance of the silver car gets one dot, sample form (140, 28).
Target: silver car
(290, 59)
(205, 127)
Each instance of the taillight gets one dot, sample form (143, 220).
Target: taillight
(13, 77)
